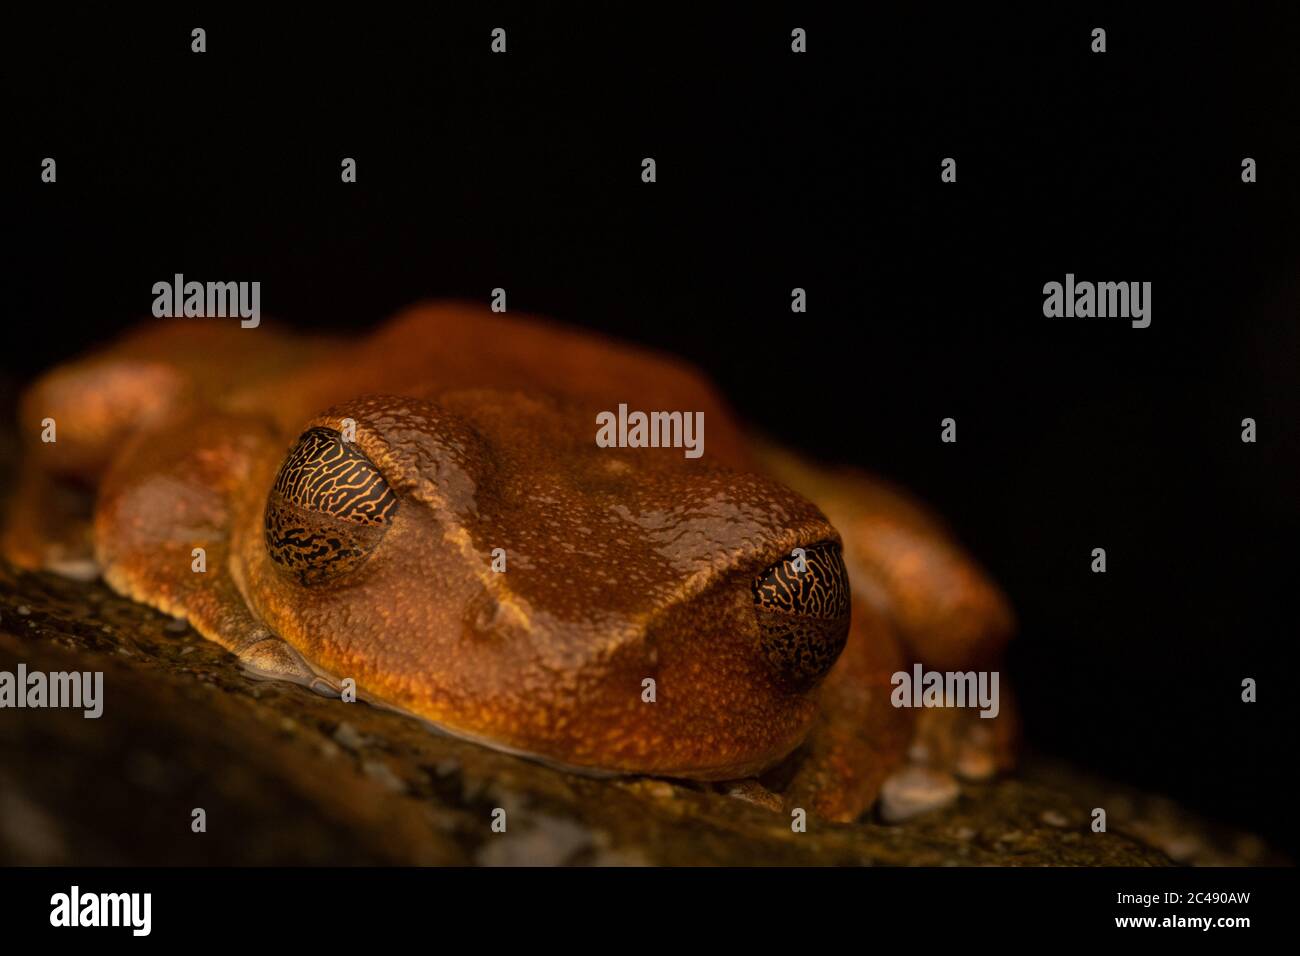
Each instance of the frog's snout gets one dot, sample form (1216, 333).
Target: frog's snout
(802, 604)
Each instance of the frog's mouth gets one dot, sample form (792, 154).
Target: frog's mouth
(720, 773)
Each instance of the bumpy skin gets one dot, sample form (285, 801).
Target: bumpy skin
(371, 559)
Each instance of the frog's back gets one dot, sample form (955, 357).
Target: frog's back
(436, 348)
(176, 368)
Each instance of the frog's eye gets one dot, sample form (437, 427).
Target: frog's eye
(803, 612)
(328, 508)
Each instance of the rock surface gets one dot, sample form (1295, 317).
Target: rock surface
(287, 777)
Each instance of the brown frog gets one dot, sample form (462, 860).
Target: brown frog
(426, 511)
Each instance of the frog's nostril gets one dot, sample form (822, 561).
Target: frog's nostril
(802, 604)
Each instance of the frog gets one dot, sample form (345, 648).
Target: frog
(421, 514)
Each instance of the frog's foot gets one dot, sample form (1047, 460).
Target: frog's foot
(949, 744)
(263, 656)
(961, 742)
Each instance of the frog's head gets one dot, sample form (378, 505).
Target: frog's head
(480, 562)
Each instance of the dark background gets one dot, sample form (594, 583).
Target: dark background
(775, 171)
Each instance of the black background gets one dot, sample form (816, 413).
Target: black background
(775, 171)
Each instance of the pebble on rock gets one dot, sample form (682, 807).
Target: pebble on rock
(915, 790)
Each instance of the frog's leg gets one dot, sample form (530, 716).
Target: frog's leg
(859, 738)
(949, 615)
(75, 419)
(71, 422)
(162, 535)
(47, 524)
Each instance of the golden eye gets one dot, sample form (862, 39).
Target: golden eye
(327, 510)
(803, 615)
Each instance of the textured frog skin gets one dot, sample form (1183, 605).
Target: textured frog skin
(371, 557)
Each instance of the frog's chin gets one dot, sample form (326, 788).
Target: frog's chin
(491, 744)
(316, 678)
(718, 773)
